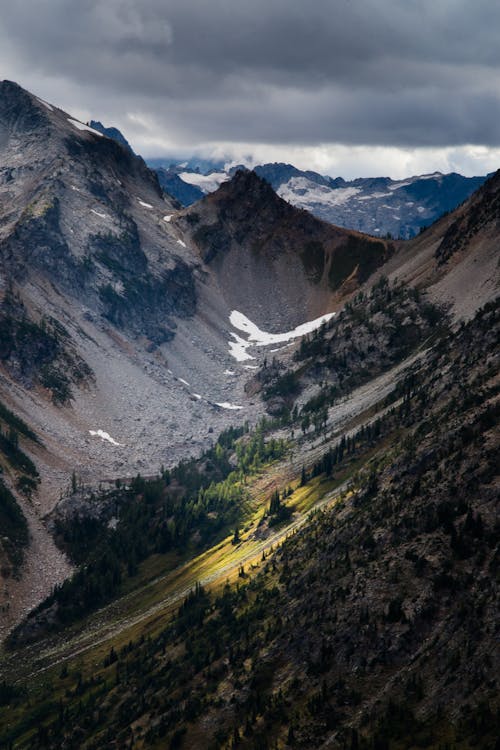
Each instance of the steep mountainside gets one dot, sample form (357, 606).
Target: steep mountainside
(375, 205)
(456, 259)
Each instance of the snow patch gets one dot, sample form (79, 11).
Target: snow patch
(197, 395)
(238, 348)
(180, 242)
(257, 337)
(104, 436)
(167, 218)
(305, 193)
(80, 126)
(398, 185)
(146, 205)
(229, 372)
(97, 213)
(227, 405)
(183, 381)
(45, 104)
(373, 195)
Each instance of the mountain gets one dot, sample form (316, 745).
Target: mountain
(182, 191)
(248, 479)
(118, 350)
(111, 132)
(377, 206)
(260, 247)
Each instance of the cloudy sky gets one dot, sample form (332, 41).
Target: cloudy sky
(349, 87)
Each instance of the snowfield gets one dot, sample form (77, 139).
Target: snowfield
(256, 337)
(304, 193)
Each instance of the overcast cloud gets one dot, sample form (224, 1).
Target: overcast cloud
(351, 87)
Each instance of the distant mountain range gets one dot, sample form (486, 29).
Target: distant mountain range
(378, 206)
(374, 205)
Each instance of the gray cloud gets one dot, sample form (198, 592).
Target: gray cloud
(418, 73)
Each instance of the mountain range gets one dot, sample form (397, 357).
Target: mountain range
(378, 206)
(248, 484)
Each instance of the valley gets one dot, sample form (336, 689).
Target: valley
(249, 489)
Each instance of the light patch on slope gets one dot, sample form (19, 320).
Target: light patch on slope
(97, 213)
(398, 185)
(80, 126)
(304, 193)
(238, 348)
(256, 337)
(183, 381)
(206, 182)
(167, 218)
(373, 195)
(180, 242)
(146, 205)
(104, 436)
(45, 104)
(227, 405)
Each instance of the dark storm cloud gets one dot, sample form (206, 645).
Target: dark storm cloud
(395, 72)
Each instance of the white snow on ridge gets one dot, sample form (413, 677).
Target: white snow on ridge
(183, 381)
(45, 104)
(401, 184)
(227, 405)
(80, 126)
(206, 182)
(104, 436)
(180, 242)
(256, 337)
(146, 205)
(304, 193)
(373, 195)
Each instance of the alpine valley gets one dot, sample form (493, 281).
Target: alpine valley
(248, 457)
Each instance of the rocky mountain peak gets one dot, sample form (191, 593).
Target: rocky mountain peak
(19, 110)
